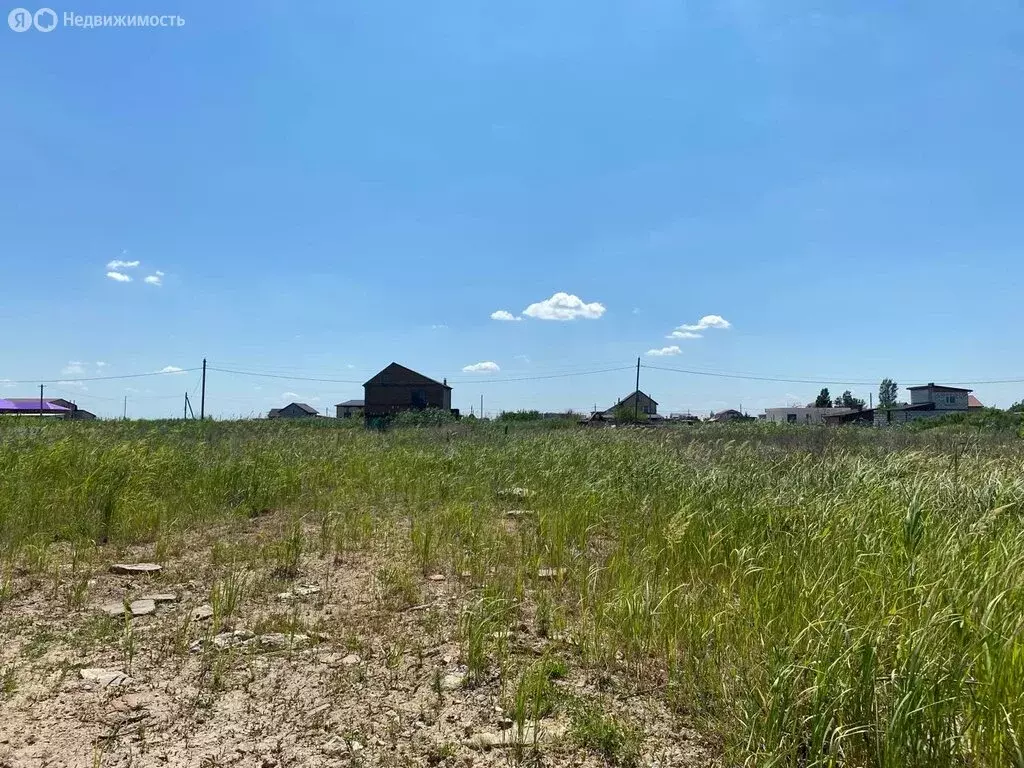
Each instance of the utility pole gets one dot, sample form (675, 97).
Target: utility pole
(871, 400)
(124, 414)
(481, 406)
(636, 397)
(184, 409)
(202, 400)
(41, 399)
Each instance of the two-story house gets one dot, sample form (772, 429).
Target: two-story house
(926, 401)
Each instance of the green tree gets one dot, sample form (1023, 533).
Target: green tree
(847, 400)
(1016, 407)
(824, 399)
(625, 414)
(887, 392)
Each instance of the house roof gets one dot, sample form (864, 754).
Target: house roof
(973, 402)
(302, 406)
(30, 404)
(908, 407)
(273, 412)
(939, 388)
(400, 375)
(638, 392)
(351, 404)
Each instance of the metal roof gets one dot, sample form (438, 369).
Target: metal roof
(938, 387)
(351, 404)
(24, 404)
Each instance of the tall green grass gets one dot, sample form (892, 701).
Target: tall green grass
(819, 597)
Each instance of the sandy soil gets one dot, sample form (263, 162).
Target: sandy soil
(336, 674)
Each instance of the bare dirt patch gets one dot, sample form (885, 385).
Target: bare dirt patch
(241, 652)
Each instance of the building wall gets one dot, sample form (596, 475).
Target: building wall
(882, 418)
(647, 405)
(347, 411)
(382, 399)
(944, 401)
(293, 412)
(802, 415)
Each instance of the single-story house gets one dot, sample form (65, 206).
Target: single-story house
(52, 406)
(294, 411)
(396, 389)
(808, 415)
(348, 409)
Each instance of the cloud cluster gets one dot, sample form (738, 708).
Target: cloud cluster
(173, 369)
(485, 367)
(665, 351)
(561, 306)
(116, 267)
(505, 315)
(689, 331)
(564, 306)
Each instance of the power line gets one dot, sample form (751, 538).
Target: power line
(453, 381)
(724, 375)
(66, 379)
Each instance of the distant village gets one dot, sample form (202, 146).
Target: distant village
(397, 389)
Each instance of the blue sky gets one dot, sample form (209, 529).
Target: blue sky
(329, 187)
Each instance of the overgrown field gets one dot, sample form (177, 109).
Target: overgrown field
(798, 596)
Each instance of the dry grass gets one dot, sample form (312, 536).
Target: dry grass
(799, 597)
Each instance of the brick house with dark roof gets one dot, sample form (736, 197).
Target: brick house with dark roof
(396, 389)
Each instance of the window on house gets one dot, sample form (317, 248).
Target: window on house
(419, 398)
(791, 418)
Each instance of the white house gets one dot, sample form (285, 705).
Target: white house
(801, 415)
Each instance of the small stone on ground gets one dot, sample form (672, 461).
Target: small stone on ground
(112, 609)
(202, 612)
(135, 569)
(142, 607)
(107, 678)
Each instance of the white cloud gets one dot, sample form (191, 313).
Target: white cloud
(564, 306)
(157, 278)
(73, 385)
(101, 364)
(524, 358)
(438, 327)
(170, 369)
(484, 367)
(665, 351)
(120, 277)
(504, 314)
(708, 321)
(636, 310)
(7, 383)
(289, 395)
(121, 264)
(688, 331)
(74, 368)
